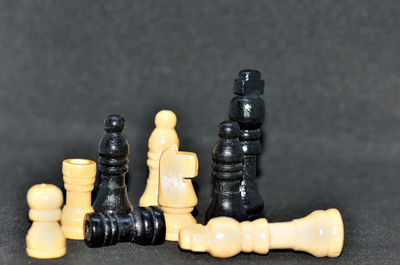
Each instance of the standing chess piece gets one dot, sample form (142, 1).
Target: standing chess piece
(45, 238)
(144, 226)
(162, 137)
(112, 196)
(227, 174)
(320, 233)
(248, 110)
(176, 194)
(79, 176)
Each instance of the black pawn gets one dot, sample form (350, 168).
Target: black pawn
(227, 173)
(248, 110)
(144, 226)
(112, 196)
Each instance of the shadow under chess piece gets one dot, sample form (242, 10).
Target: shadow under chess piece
(112, 196)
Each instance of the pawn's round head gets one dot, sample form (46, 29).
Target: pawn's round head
(114, 123)
(228, 130)
(165, 119)
(44, 197)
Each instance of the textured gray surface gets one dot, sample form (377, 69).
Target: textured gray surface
(332, 95)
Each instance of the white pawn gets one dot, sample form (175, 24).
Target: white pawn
(162, 137)
(45, 238)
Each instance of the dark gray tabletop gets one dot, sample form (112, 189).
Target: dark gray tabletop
(331, 138)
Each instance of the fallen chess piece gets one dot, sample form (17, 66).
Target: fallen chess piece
(320, 233)
(144, 226)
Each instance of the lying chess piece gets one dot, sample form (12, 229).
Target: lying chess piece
(79, 176)
(144, 226)
(162, 137)
(176, 195)
(320, 234)
(45, 238)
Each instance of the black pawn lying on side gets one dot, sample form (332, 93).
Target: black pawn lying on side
(227, 173)
(144, 226)
(248, 110)
(112, 196)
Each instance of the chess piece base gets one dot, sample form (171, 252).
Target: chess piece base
(72, 222)
(175, 222)
(45, 241)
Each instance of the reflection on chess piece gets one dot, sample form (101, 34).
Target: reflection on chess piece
(45, 238)
(112, 196)
(248, 110)
(320, 234)
(79, 176)
(176, 196)
(227, 174)
(162, 137)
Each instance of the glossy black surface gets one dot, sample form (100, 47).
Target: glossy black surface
(144, 226)
(112, 196)
(227, 174)
(248, 110)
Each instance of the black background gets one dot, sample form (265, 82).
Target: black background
(332, 136)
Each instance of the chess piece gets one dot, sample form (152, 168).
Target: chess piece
(162, 137)
(176, 195)
(227, 174)
(112, 196)
(320, 234)
(45, 238)
(144, 226)
(79, 176)
(248, 110)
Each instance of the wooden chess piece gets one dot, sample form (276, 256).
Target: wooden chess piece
(45, 238)
(79, 176)
(112, 196)
(162, 137)
(227, 174)
(248, 110)
(176, 195)
(144, 226)
(320, 233)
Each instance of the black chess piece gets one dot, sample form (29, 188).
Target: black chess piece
(227, 174)
(144, 226)
(112, 196)
(248, 110)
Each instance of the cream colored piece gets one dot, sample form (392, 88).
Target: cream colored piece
(176, 196)
(79, 176)
(162, 137)
(45, 238)
(320, 234)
